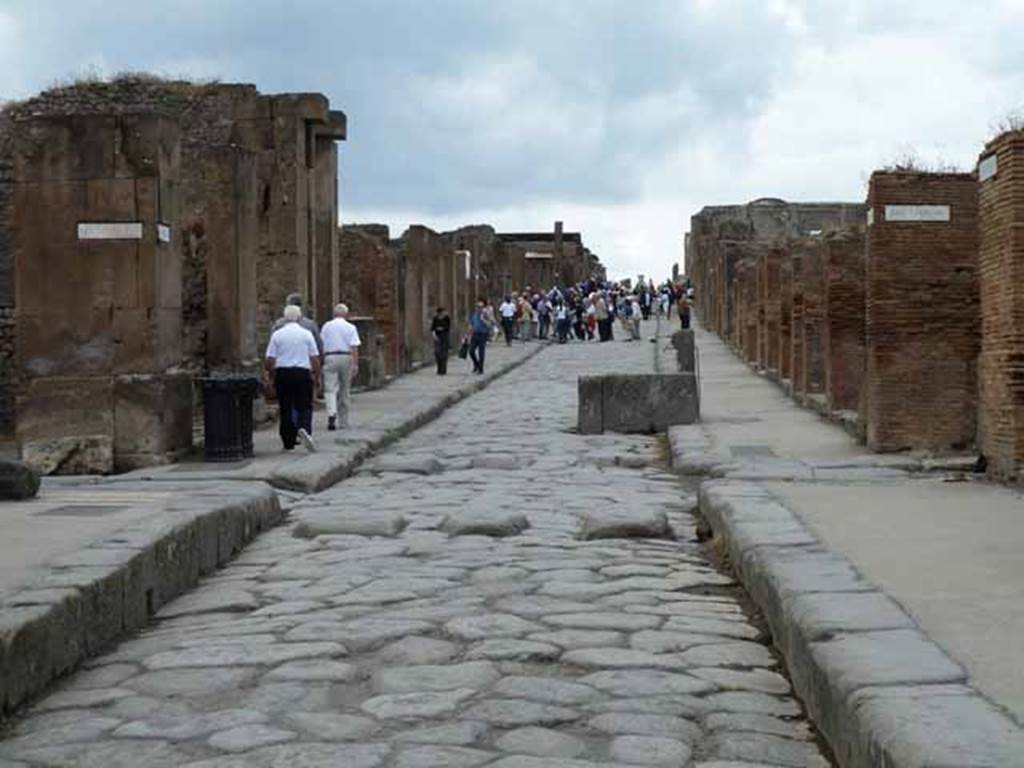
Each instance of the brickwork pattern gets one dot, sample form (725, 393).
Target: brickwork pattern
(921, 309)
(1001, 289)
(844, 318)
(809, 378)
(368, 283)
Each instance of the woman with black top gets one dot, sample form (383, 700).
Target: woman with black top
(441, 327)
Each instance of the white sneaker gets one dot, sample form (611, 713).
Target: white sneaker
(306, 439)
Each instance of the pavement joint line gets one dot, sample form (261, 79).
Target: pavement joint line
(70, 611)
(876, 686)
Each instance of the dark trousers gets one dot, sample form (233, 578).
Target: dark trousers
(545, 323)
(508, 325)
(604, 329)
(441, 346)
(684, 320)
(295, 401)
(562, 330)
(477, 350)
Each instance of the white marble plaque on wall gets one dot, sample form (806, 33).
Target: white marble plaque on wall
(871, 216)
(120, 230)
(163, 233)
(917, 213)
(988, 167)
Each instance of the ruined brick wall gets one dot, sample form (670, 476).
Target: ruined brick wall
(844, 317)
(922, 330)
(419, 251)
(747, 308)
(786, 315)
(769, 353)
(489, 259)
(796, 319)
(1001, 289)
(8, 416)
(809, 378)
(368, 283)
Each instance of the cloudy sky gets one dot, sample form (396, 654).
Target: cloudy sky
(621, 117)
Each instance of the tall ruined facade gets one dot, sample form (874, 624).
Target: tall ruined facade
(245, 213)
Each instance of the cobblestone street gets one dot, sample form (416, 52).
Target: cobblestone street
(492, 590)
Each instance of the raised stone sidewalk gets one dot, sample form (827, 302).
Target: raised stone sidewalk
(92, 559)
(890, 582)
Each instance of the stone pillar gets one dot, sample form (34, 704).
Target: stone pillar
(96, 203)
(786, 317)
(771, 309)
(371, 353)
(844, 317)
(1001, 288)
(809, 378)
(921, 303)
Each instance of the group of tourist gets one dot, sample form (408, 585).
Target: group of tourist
(303, 360)
(581, 312)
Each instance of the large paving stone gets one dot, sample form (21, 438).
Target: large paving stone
(646, 682)
(650, 750)
(241, 653)
(689, 707)
(729, 654)
(359, 634)
(343, 522)
(508, 649)
(759, 703)
(603, 620)
(571, 639)
(646, 725)
(750, 721)
(459, 733)
(18, 480)
(184, 727)
(530, 761)
(412, 465)
(628, 522)
(550, 689)
(471, 674)
(483, 522)
(305, 755)
(411, 706)
(209, 601)
(622, 658)
(418, 650)
(433, 756)
(192, 682)
(331, 726)
(764, 748)
(515, 712)
(490, 625)
(107, 754)
(315, 669)
(543, 742)
(246, 737)
(744, 680)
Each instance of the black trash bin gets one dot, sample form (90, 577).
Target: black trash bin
(227, 417)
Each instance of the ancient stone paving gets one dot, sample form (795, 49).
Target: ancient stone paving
(453, 614)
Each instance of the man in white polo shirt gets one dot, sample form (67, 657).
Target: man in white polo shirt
(294, 361)
(341, 365)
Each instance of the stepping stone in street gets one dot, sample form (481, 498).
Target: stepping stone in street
(411, 465)
(341, 522)
(484, 523)
(626, 523)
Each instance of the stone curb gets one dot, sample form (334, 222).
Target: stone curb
(880, 691)
(319, 471)
(82, 602)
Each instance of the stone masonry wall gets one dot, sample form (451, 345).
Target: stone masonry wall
(844, 317)
(809, 379)
(368, 283)
(922, 334)
(1001, 288)
(770, 300)
(785, 343)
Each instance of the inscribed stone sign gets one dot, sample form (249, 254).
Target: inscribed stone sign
(917, 213)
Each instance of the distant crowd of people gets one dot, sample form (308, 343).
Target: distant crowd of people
(303, 359)
(582, 312)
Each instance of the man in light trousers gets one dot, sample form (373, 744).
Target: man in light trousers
(341, 365)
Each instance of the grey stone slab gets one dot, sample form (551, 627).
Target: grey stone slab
(412, 465)
(107, 754)
(947, 725)
(314, 669)
(729, 654)
(484, 522)
(765, 748)
(509, 713)
(622, 658)
(358, 634)
(823, 614)
(509, 649)
(665, 641)
(650, 750)
(646, 725)
(712, 626)
(459, 733)
(543, 742)
(331, 726)
(752, 721)
(246, 737)
(549, 689)
(305, 755)
(84, 727)
(490, 625)
(437, 756)
(646, 682)
(89, 697)
(628, 522)
(530, 761)
(603, 620)
(349, 522)
(418, 650)
(242, 654)
(407, 706)
(758, 703)
(760, 680)
(690, 707)
(470, 674)
(572, 639)
(188, 726)
(209, 601)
